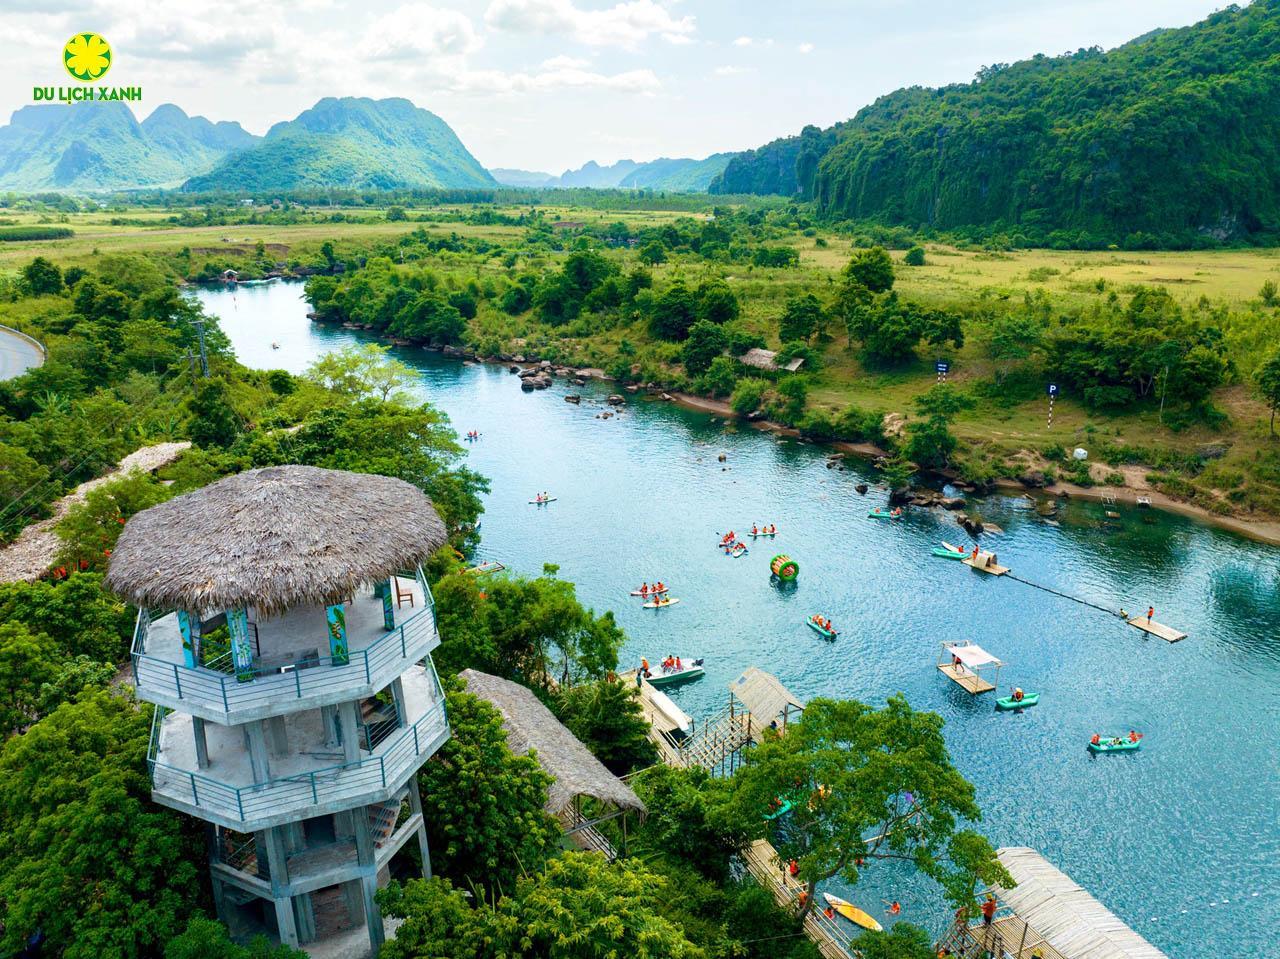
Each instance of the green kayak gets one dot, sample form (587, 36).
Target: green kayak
(948, 553)
(879, 513)
(822, 630)
(1107, 746)
(1008, 702)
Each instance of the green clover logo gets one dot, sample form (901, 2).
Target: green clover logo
(87, 57)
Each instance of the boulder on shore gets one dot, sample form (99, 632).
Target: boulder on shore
(616, 400)
(572, 398)
(1034, 479)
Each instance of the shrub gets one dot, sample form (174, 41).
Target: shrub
(748, 395)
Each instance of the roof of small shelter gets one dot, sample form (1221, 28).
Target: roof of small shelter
(531, 726)
(763, 695)
(763, 359)
(1069, 919)
(973, 655)
(273, 538)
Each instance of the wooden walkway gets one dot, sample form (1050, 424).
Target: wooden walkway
(1010, 936)
(762, 862)
(992, 568)
(968, 680)
(1157, 629)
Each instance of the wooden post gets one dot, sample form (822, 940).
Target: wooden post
(339, 651)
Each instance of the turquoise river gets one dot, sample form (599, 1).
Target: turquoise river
(1181, 839)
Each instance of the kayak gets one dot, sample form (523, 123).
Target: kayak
(947, 551)
(757, 535)
(1008, 702)
(879, 513)
(688, 671)
(665, 602)
(735, 553)
(822, 630)
(652, 592)
(852, 912)
(782, 810)
(543, 502)
(1106, 746)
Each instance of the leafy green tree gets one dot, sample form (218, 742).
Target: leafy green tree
(85, 855)
(365, 371)
(19, 473)
(706, 341)
(605, 714)
(27, 661)
(1269, 294)
(903, 941)
(77, 611)
(748, 395)
(208, 939)
(653, 253)
(213, 420)
(691, 817)
(428, 318)
(793, 393)
(42, 277)
(851, 771)
(560, 296)
(90, 528)
(801, 318)
(914, 256)
(674, 313)
(1267, 379)
(717, 303)
(484, 804)
(1011, 338)
(897, 471)
(721, 376)
(871, 269)
(396, 214)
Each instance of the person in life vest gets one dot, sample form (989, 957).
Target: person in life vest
(754, 529)
(793, 868)
(1017, 694)
(644, 667)
(1096, 739)
(829, 912)
(1134, 737)
(1151, 611)
(988, 909)
(678, 665)
(895, 908)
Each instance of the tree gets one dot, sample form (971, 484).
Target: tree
(914, 256)
(653, 253)
(1267, 379)
(578, 907)
(85, 855)
(721, 377)
(208, 939)
(690, 816)
(1011, 338)
(801, 318)
(76, 611)
(1269, 295)
(213, 420)
(872, 269)
(27, 661)
(793, 393)
(428, 318)
(90, 528)
(897, 471)
(903, 941)
(396, 214)
(717, 303)
(706, 341)
(42, 277)
(483, 803)
(359, 372)
(748, 395)
(850, 771)
(674, 313)
(605, 714)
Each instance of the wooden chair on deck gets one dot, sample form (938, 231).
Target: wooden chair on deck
(401, 594)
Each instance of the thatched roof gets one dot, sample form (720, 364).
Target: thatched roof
(1069, 919)
(273, 538)
(531, 726)
(768, 360)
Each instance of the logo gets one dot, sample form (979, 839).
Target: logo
(87, 56)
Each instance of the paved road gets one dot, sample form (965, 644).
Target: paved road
(17, 354)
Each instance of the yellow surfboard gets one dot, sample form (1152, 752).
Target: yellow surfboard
(852, 912)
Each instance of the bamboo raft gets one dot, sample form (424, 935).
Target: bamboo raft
(1167, 633)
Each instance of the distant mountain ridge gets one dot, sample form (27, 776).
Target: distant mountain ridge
(354, 143)
(102, 146)
(682, 175)
(1169, 137)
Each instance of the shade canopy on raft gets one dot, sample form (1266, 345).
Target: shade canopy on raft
(273, 538)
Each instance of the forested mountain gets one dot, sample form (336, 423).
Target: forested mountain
(352, 143)
(102, 146)
(682, 175)
(1170, 137)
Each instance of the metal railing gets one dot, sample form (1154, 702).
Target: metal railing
(296, 794)
(224, 693)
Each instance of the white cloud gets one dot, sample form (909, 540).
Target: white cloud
(644, 82)
(743, 42)
(805, 48)
(729, 71)
(565, 63)
(625, 24)
(416, 30)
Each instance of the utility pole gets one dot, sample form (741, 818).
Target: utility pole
(1164, 386)
(204, 357)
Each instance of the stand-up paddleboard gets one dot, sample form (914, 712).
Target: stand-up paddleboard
(543, 502)
(652, 592)
(852, 912)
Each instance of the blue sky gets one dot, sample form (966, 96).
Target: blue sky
(550, 84)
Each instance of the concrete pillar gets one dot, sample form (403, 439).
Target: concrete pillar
(276, 857)
(329, 719)
(202, 742)
(277, 736)
(349, 719)
(415, 807)
(305, 916)
(365, 854)
(353, 897)
(258, 751)
(286, 927)
(342, 827)
(219, 899)
(295, 838)
(397, 690)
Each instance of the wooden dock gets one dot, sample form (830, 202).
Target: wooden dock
(659, 725)
(1157, 629)
(968, 680)
(992, 567)
(762, 862)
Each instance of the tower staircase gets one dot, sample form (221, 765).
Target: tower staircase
(715, 744)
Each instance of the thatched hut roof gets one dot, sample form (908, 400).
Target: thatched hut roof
(273, 538)
(530, 725)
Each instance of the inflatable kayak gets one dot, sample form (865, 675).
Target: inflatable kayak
(879, 513)
(947, 551)
(852, 912)
(783, 808)
(652, 592)
(822, 630)
(1107, 746)
(543, 502)
(690, 670)
(657, 605)
(1008, 702)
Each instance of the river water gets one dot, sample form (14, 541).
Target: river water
(1181, 839)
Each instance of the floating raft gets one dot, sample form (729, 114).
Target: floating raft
(968, 680)
(987, 563)
(1157, 629)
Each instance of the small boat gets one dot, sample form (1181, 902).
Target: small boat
(881, 513)
(757, 535)
(1008, 702)
(782, 809)
(822, 630)
(543, 502)
(275, 346)
(652, 592)
(947, 551)
(1110, 744)
(658, 605)
(659, 677)
(852, 913)
(1144, 500)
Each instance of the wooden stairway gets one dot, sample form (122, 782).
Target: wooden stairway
(382, 820)
(717, 740)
